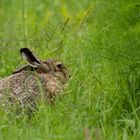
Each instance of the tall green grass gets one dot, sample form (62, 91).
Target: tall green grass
(100, 45)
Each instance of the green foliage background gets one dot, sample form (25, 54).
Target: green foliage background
(99, 41)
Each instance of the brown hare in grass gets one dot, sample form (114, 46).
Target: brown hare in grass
(30, 83)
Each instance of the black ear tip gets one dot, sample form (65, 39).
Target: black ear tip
(24, 50)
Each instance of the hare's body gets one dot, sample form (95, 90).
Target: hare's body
(31, 82)
(26, 87)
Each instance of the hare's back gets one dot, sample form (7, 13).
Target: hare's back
(20, 86)
(29, 85)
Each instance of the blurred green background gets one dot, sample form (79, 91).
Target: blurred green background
(99, 42)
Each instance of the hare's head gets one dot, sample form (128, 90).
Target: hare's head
(49, 66)
(56, 68)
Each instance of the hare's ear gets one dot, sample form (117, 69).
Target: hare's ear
(30, 57)
(32, 60)
(24, 68)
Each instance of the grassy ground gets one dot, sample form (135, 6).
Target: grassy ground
(99, 41)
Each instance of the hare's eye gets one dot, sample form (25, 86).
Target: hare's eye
(59, 66)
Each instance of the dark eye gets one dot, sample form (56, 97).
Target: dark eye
(59, 66)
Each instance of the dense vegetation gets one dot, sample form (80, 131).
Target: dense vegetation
(99, 41)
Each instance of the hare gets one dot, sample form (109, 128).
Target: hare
(32, 82)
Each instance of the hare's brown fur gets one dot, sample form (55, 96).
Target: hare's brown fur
(26, 87)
